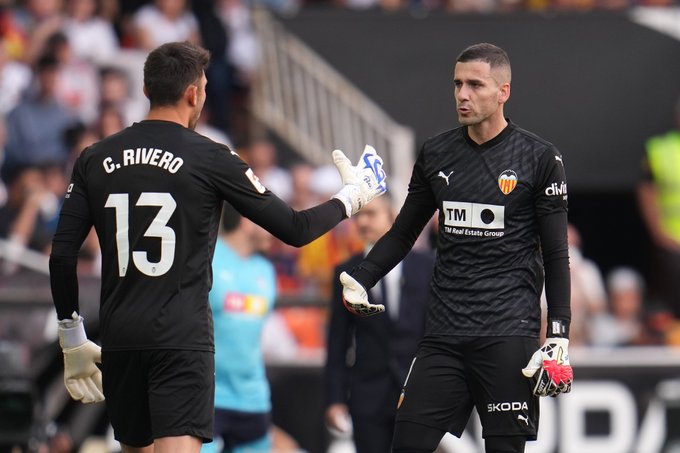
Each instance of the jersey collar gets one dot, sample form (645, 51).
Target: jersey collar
(489, 143)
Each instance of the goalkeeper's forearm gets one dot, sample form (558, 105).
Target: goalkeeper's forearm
(555, 250)
(64, 285)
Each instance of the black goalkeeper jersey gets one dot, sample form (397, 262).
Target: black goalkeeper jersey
(491, 198)
(154, 194)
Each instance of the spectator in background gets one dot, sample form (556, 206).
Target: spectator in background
(244, 50)
(114, 90)
(92, 37)
(470, 6)
(262, 157)
(109, 122)
(24, 219)
(215, 38)
(213, 133)
(242, 296)
(317, 260)
(77, 86)
(588, 295)
(164, 21)
(283, 256)
(3, 140)
(36, 126)
(623, 323)
(12, 34)
(243, 55)
(303, 196)
(38, 20)
(659, 203)
(382, 346)
(15, 78)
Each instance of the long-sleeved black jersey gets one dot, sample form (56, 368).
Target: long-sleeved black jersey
(502, 223)
(154, 194)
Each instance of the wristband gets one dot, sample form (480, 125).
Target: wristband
(557, 328)
(72, 332)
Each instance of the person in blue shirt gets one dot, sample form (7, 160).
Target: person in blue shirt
(243, 294)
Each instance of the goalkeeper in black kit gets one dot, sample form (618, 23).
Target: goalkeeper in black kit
(154, 194)
(501, 193)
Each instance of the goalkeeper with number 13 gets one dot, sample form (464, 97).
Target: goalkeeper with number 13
(153, 193)
(501, 193)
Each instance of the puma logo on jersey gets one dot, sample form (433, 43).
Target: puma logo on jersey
(445, 176)
(559, 159)
(523, 418)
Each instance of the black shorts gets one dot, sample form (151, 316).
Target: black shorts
(159, 393)
(451, 375)
(238, 428)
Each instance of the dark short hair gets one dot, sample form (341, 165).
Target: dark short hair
(231, 218)
(46, 62)
(489, 53)
(170, 69)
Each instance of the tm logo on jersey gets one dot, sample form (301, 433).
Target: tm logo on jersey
(473, 219)
(507, 181)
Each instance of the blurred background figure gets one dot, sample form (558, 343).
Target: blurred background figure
(588, 296)
(659, 203)
(317, 260)
(77, 86)
(623, 324)
(109, 121)
(164, 21)
(15, 78)
(24, 219)
(241, 298)
(262, 157)
(368, 358)
(215, 37)
(92, 37)
(283, 256)
(28, 144)
(37, 20)
(114, 91)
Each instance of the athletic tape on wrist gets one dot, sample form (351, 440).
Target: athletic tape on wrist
(71, 332)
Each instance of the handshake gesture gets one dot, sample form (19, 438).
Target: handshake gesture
(361, 183)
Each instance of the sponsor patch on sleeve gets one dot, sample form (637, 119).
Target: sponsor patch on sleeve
(255, 181)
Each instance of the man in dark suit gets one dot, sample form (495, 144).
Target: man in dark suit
(369, 358)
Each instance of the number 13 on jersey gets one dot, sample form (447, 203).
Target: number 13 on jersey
(159, 228)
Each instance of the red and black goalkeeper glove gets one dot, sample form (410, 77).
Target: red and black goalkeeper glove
(550, 367)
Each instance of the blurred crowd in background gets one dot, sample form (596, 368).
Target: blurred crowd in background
(70, 74)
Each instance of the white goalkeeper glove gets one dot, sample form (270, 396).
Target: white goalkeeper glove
(550, 367)
(362, 182)
(82, 377)
(355, 299)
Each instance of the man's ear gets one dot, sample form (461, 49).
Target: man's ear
(504, 93)
(191, 95)
(146, 93)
